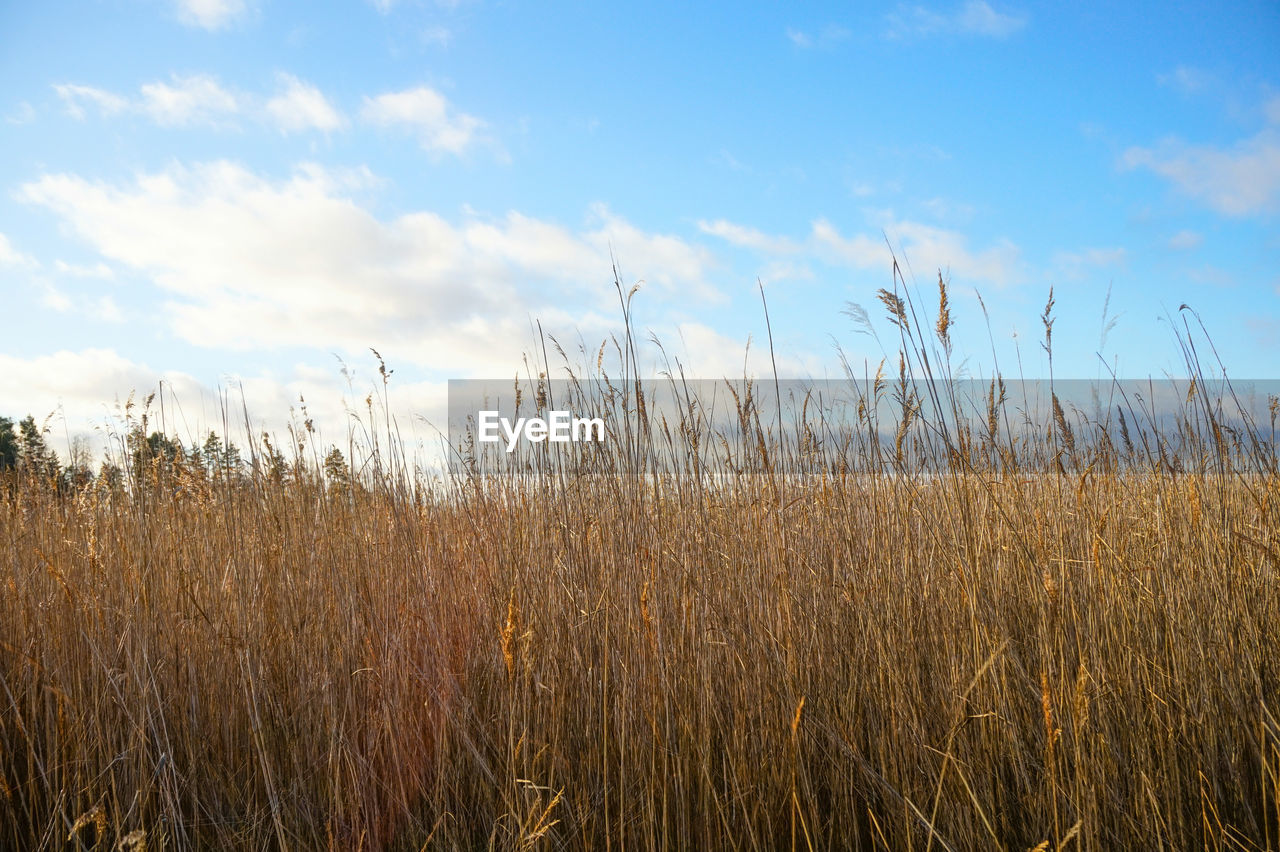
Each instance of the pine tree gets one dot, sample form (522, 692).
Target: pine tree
(34, 455)
(8, 445)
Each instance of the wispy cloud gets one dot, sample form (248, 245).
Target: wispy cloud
(945, 208)
(24, 113)
(1185, 241)
(974, 18)
(98, 270)
(749, 238)
(1186, 79)
(99, 308)
(180, 102)
(428, 115)
(201, 100)
(77, 98)
(437, 35)
(53, 298)
(184, 101)
(302, 106)
(925, 247)
(1081, 264)
(1241, 180)
(781, 270)
(725, 159)
(10, 256)
(829, 35)
(209, 14)
(105, 309)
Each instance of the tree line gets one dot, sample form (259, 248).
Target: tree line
(153, 458)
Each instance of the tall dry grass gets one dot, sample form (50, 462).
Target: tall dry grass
(1062, 655)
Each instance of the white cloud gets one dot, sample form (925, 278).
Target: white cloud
(428, 114)
(209, 14)
(82, 381)
(437, 35)
(77, 97)
(780, 270)
(301, 106)
(829, 35)
(925, 248)
(101, 308)
(674, 265)
(723, 158)
(201, 99)
(252, 263)
(1238, 181)
(50, 295)
(105, 309)
(97, 270)
(975, 17)
(750, 238)
(942, 208)
(53, 298)
(1185, 240)
(1079, 264)
(1186, 79)
(709, 355)
(10, 256)
(860, 250)
(799, 38)
(195, 99)
(24, 113)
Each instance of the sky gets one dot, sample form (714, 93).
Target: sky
(235, 201)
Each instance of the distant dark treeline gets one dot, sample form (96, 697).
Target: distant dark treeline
(151, 457)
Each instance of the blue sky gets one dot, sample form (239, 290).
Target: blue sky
(248, 194)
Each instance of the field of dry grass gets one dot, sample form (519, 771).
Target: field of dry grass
(1076, 655)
